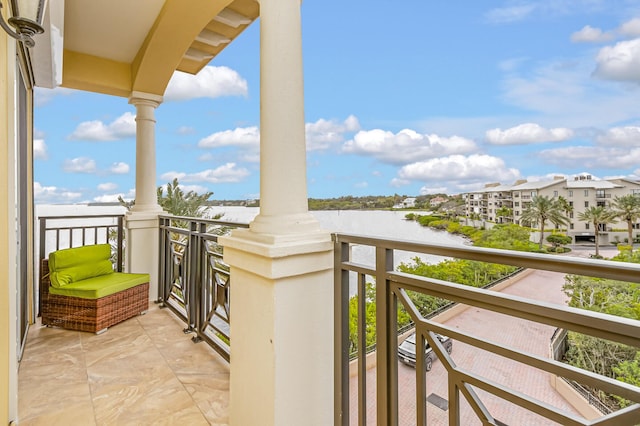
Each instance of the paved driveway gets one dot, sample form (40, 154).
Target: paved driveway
(516, 333)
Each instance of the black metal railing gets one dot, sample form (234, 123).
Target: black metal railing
(391, 290)
(193, 280)
(60, 232)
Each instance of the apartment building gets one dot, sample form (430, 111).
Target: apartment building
(498, 203)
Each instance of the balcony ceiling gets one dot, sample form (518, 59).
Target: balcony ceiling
(120, 46)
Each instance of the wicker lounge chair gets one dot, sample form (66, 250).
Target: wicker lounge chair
(92, 314)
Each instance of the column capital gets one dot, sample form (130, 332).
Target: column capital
(151, 99)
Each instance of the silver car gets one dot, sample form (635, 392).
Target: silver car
(407, 350)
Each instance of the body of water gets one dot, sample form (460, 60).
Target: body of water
(373, 223)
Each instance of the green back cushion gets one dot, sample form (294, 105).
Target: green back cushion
(79, 263)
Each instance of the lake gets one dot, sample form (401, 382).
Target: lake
(374, 223)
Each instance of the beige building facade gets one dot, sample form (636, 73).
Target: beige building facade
(497, 203)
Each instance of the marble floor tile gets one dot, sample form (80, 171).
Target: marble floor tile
(142, 371)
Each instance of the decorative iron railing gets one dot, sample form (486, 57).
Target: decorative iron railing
(193, 280)
(391, 291)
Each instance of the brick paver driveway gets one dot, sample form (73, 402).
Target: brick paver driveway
(501, 329)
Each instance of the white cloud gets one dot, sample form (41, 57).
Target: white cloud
(406, 146)
(562, 94)
(186, 130)
(95, 130)
(324, 133)
(42, 96)
(589, 34)
(40, 149)
(459, 168)
(589, 157)
(79, 165)
(227, 173)
(119, 168)
(107, 198)
(620, 62)
(44, 194)
(241, 137)
(195, 188)
(503, 15)
(527, 133)
(210, 82)
(107, 186)
(426, 190)
(620, 136)
(631, 28)
(319, 135)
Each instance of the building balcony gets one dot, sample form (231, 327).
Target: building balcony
(172, 364)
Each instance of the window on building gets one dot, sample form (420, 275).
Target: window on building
(586, 192)
(570, 215)
(571, 226)
(586, 204)
(533, 193)
(586, 225)
(570, 203)
(517, 212)
(517, 203)
(571, 193)
(555, 193)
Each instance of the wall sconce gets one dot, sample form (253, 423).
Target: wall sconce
(27, 20)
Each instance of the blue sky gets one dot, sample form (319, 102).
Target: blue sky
(401, 97)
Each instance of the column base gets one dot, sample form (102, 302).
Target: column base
(143, 246)
(281, 329)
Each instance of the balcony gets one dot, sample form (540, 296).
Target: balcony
(148, 358)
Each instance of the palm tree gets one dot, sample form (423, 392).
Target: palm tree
(566, 207)
(541, 210)
(627, 208)
(505, 212)
(597, 215)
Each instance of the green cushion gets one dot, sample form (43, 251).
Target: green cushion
(104, 285)
(72, 274)
(67, 258)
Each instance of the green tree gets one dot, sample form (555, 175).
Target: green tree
(627, 209)
(629, 372)
(565, 206)
(558, 240)
(597, 215)
(175, 201)
(505, 212)
(541, 210)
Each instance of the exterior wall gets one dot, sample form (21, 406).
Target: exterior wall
(583, 196)
(8, 302)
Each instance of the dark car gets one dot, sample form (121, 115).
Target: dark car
(407, 350)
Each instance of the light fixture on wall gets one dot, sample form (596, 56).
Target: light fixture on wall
(26, 20)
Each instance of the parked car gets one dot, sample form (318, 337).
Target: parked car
(407, 350)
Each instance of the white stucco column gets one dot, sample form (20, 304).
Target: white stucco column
(283, 172)
(142, 221)
(282, 266)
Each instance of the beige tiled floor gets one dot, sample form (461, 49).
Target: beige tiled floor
(144, 371)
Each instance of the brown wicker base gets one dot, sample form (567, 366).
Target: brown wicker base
(93, 315)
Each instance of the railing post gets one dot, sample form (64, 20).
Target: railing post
(199, 262)
(164, 261)
(386, 341)
(190, 260)
(120, 238)
(341, 334)
(43, 232)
